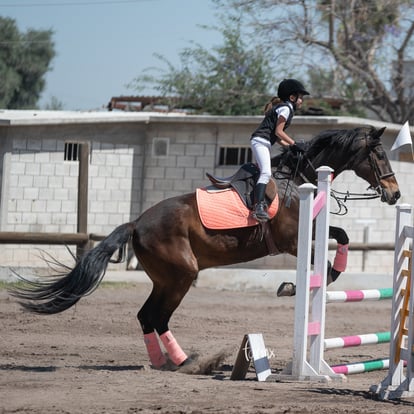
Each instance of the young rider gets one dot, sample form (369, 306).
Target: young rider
(278, 117)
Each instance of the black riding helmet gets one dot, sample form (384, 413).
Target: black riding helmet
(290, 87)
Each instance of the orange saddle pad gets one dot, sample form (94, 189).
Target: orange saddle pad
(224, 209)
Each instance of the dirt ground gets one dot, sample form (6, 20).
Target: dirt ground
(92, 359)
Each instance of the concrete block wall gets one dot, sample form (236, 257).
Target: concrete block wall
(43, 188)
(191, 153)
(111, 185)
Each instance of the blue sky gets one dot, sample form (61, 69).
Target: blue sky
(101, 45)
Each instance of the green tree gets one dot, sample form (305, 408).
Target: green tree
(366, 46)
(24, 60)
(232, 79)
(54, 104)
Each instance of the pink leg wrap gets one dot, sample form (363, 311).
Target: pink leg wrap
(176, 354)
(157, 358)
(341, 257)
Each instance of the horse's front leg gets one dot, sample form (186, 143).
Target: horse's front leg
(341, 256)
(339, 264)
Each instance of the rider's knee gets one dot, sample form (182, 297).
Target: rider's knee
(264, 178)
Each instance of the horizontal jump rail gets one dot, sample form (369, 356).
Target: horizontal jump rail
(358, 295)
(357, 340)
(360, 367)
(359, 246)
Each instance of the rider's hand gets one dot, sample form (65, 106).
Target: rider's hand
(297, 147)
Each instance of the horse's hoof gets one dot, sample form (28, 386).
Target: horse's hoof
(160, 368)
(188, 361)
(170, 366)
(286, 289)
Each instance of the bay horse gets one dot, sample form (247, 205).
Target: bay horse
(172, 245)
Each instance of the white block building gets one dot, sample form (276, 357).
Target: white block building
(138, 159)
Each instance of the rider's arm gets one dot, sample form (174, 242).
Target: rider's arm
(284, 138)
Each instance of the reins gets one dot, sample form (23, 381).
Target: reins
(347, 196)
(340, 197)
(289, 177)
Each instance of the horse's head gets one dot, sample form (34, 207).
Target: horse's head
(358, 149)
(372, 164)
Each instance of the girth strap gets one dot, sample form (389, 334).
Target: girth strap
(267, 234)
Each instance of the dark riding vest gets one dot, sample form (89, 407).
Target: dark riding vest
(267, 128)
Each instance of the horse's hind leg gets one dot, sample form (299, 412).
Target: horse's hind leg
(155, 316)
(145, 316)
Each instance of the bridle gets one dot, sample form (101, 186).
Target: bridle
(380, 175)
(342, 197)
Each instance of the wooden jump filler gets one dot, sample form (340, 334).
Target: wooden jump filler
(252, 350)
(399, 382)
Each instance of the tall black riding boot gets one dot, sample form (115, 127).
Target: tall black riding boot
(260, 211)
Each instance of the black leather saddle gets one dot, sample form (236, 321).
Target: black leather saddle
(244, 182)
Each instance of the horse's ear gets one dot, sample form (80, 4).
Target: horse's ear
(377, 134)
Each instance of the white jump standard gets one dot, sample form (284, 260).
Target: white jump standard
(311, 285)
(308, 362)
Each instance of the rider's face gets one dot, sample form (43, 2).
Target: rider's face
(297, 99)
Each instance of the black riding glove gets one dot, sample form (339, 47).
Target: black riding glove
(297, 147)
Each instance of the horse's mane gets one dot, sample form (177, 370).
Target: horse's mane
(342, 140)
(327, 140)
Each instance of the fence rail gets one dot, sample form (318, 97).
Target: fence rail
(12, 237)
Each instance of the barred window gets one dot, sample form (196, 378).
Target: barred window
(71, 151)
(235, 155)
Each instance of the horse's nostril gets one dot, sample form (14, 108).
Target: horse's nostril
(397, 195)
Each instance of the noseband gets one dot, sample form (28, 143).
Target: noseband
(378, 173)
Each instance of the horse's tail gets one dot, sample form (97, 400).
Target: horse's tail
(58, 293)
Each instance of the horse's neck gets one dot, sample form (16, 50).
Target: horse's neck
(307, 171)
(328, 160)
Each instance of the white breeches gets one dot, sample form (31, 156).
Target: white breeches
(261, 151)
